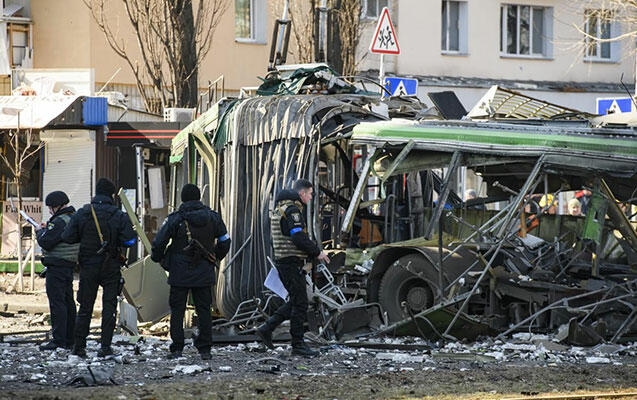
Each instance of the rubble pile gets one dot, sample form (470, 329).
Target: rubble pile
(142, 360)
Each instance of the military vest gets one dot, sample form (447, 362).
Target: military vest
(63, 250)
(283, 245)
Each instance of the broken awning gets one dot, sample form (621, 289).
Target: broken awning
(502, 103)
(32, 112)
(142, 133)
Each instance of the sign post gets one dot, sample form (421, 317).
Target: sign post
(384, 42)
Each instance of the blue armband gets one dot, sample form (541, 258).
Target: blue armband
(223, 238)
(295, 230)
(130, 242)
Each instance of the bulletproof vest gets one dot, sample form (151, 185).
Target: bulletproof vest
(63, 250)
(282, 244)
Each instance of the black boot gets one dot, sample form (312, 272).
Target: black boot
(79, 351)
(302, 349)
(105, 351)
(49, 346)
(265, 335)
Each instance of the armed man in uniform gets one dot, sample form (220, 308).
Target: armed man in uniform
(292, 249)
(199, 241)
(60, 260)
(102, 230)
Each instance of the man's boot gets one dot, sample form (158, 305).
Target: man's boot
(265, 335)
(79, 351)
(302, 349)
(105, 351)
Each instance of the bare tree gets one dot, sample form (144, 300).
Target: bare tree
(349, 17)
(599, 15)
(21, 148)
(173, 37)
(343, 18)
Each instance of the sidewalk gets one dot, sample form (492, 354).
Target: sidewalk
(33, 300)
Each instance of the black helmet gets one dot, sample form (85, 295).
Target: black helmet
(56, 199)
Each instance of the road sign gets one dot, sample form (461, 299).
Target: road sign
(611, 105)
(401, 86)
(385, 40)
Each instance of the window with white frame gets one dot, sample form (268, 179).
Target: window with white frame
(600, 29)
(371, 8)
(454, 27)
(249, 20)
(525, 30)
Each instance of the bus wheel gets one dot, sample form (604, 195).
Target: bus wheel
(400, 284)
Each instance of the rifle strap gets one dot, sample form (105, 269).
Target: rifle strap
(188, 234)
(97, 225)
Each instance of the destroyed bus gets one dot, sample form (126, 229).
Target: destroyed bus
(409, 255)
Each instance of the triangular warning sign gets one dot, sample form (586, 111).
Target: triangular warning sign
(385, 40)
(614, 108)
(400, 90)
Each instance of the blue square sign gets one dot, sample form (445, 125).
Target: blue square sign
(611, 105)
(401, 86)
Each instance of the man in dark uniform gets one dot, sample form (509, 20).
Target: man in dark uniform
(59, 259)
(199, 241)
(102, 230)
(292, 248)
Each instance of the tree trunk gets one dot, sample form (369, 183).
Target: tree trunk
(187, 75)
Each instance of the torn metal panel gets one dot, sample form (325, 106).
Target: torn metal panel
(502, 103)
(266, 143)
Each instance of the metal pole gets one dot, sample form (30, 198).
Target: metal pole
(32, 258)
(381, 74)
(283, 27)
(19, 217)
(139, 206)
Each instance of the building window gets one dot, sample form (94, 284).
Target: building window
(371, 8)
(249, 20)
(454, 27)
(599, 27)
(525, 30)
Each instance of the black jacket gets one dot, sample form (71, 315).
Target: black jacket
(206, 226)
(55, 251)
(115, 225)
(294, 218)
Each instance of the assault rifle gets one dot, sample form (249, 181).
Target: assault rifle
(197, 250)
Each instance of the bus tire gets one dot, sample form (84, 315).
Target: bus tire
(400, 285)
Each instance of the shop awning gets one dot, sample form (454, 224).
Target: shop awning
(31, 112)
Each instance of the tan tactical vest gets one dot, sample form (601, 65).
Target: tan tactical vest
(283, 245)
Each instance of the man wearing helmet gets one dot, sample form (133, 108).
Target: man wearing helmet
(59, 259)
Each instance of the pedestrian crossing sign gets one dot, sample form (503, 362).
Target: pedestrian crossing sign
(385, 40)
(398, 86)
(611, 105)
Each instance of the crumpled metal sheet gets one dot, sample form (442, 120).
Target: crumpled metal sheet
(270, 142)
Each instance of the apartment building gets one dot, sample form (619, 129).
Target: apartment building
(533, 46)
(536, 47)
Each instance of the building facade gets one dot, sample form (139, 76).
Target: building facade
(527, 45)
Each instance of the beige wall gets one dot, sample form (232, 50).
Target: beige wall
(61, 34)
(419, 39)
(240, 63)
(65, 36)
